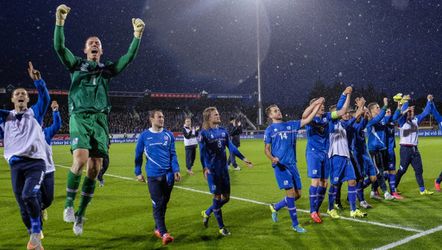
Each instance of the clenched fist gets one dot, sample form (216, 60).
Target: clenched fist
(61, 14)
(138, 27)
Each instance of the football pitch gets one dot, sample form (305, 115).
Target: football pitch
(120, 214)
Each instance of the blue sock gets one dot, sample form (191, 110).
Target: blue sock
(292, 210)
(392, 182)
(360, 190)
(386, 174)
(352, 197)
(439, 179)
(367, 183)
(421, 189)
(281, 204)
(217, 212)
(320, 198)
(331, 196)
(313, 194)
(35, 225)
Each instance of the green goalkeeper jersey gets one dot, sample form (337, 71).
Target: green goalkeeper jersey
(89, 90)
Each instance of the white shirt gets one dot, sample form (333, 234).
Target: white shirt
(409, 133)
(24, 137)
(338, 141)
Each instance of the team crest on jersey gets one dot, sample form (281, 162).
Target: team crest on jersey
(223, 134)
(211, 136)
(289, 127)
(75, 141)
(275, 129)
(84, 67)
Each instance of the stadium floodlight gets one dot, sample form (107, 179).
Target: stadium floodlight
(258, 63)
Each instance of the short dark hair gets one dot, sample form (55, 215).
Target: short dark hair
(371, 105)
(153, 111)
(232, 118)
(269, 108)
(332, 107)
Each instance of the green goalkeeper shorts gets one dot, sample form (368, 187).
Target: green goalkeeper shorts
(89, 131)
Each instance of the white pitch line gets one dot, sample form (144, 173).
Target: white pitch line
(410, 238)
(266, 204)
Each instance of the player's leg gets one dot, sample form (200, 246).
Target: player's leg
(338, 204)
(291, 207)
(193, 156)
(221, 200)
(157, 192)
(213, 189)
(437, 182)
(18, 181)
(405, 161)
(80, 145)
(312, 164)
(47, 193)
(335, 173)
(34, 174)
(103, 170)
(390, 158)
(188, 150)
(416, 163)
(322, 186)
(99, 144)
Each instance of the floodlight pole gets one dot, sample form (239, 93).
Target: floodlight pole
(258, 64)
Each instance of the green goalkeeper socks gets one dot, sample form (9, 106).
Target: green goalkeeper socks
(71, 188)
(86, 195)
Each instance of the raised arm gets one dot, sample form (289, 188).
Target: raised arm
(56, 123)
(435, 113)
(65, 55)
(420, 117)
(122, 63)
(43, 100)
(313, 108)
(343, 97)
(344, 108)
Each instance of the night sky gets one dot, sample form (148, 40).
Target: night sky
(191, 45)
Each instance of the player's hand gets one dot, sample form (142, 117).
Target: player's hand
(33, 73)
(360, 102)
(385, 102)
(430, 98)
(177, 176)
(197, 128)
(138, 27)
(405, 99)
(318, 101)
(206, 172)
(61, 14)
(239, 123)
(348, 90)
(54, 106)
(140, 178)
(248, 163)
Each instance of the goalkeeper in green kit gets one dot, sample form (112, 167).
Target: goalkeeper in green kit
(89, 107)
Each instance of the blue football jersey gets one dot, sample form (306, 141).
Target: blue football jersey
(213, 143)
(318, 133)
(282, 137)
(159, 148)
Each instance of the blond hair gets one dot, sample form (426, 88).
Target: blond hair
(206, 116)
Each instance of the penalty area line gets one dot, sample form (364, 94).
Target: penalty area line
(266, 204)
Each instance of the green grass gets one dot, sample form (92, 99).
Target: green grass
(120, 215)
